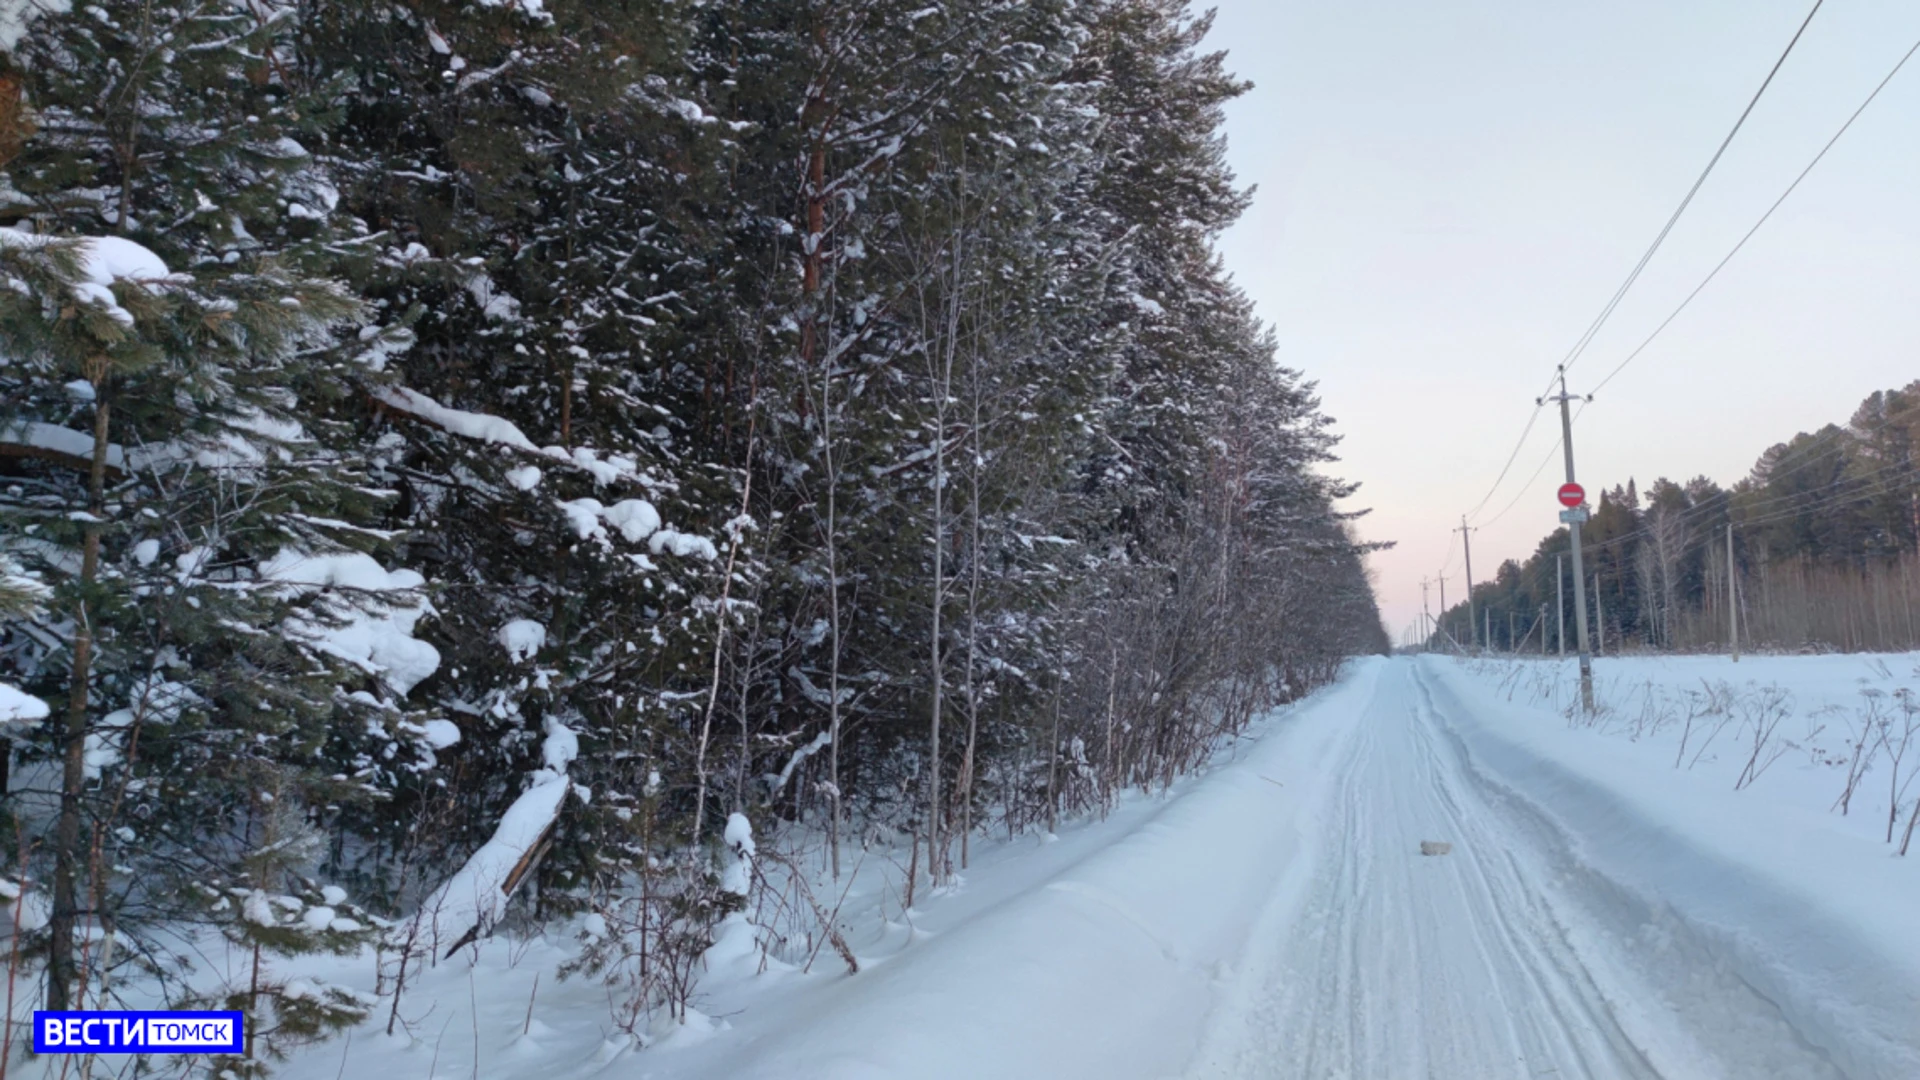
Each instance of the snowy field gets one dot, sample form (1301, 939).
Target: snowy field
(1603, 913)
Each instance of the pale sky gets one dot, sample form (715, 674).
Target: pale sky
(1450, 190)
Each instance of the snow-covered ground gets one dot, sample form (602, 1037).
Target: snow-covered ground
(1776, 934)
(1098, 951)
(1602, 913)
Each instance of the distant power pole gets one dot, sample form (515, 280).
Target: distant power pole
(1733, 600)
(1579, 584)
(1560, 604)
(1424, 617)
(1599, 616)
(1443, 604)
(1466, 542)
(1543, 629)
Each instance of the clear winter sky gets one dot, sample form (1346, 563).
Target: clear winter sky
(1450, 190)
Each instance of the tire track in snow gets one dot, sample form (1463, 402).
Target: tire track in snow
(1397, 965)
(1682, 987)
(1584, 1028)
(1246, 1008)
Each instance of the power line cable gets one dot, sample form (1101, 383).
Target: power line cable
(1620, 293)
(1802, 502)
(1504, 469)
(1552, 452)
(1832, 453)
(1580, 347)
(1886, 485)
(1808, 502)
(1721, 265)
(1763, 218)
(1901, 474)
(1606, 312)
(1542, 467)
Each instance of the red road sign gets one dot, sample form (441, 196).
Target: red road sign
(1572, 494)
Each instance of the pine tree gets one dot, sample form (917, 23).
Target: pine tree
(537, 180)
(535, 434)
(166, 390)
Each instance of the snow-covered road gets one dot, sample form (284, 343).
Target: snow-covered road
(1573, 932)
(1275, 918)
(1399, 965)
(1602, 915)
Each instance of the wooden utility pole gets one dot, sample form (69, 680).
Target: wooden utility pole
(1733, 599)
(1440, 627)
(1579, 589)
(1466, 542)
(1560, 604)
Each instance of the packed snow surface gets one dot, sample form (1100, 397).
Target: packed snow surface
(1601, 914)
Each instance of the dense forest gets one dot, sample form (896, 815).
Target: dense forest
(1825, 553)
(471, 461)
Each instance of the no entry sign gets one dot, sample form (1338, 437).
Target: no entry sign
(1572, 494)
